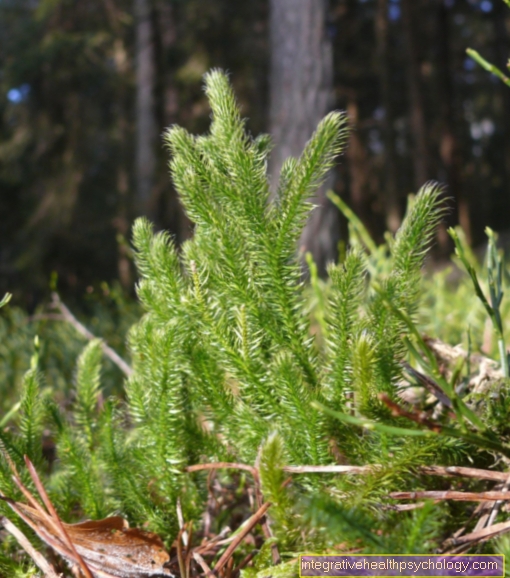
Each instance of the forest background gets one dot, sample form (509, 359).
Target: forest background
(87, 89)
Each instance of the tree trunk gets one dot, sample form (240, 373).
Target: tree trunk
(145, 163)
(448, 144)
(301, 94)
(170, 212)
(166, 28)
(416, 101)
(393, 216)
(357, 159)
(500, 20)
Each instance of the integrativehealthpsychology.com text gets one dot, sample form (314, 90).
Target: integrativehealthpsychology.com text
(402, 565)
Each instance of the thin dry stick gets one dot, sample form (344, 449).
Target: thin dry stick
(497, 505)
(53, 513)
(107, 350)
(180, 519)
(221, 466)
(482, 535)
(53, 540)
(480, 508)
(419, 417)
(489, 512)
(259, 514)
(215, 543)
(451, 495)
(69, 551)
(330, 469)
(464, 472)
(451, 471)
(246, 561)
(484, 509)
(482, 521)
(189, 553)
(228, 570)
(254, 472)
(41, 562)
(203, 564)
(180, 559)
(59, 540)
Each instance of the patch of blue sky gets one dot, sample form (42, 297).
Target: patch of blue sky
(19, 94)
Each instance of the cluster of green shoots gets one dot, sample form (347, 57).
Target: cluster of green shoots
(225, 367)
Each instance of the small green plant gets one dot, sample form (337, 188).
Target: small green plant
(495, 284)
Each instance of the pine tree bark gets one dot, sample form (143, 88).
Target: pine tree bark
(301, 93)
(392, 209)
(145, 163)
(416, 100)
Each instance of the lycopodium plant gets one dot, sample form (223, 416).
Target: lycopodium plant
(225, 370)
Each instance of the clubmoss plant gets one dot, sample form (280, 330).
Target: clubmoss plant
(225, 368)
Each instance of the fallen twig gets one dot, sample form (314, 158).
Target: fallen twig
(180, 559)
(62, 533)
(180, 519)
(451, 471)
(451, 495)
(497, 505)
(464, 472)
(254, 472)
(246, 561)
(203, 564)
(57, 303)
(259, 514)
(228, 569)
(214, 543)
(222, 466)
(480, 508)
(41, 562)
(58, 539)
(419, 417)
(330, 469)
(481, 535)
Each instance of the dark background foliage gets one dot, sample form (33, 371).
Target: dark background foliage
(71, 99)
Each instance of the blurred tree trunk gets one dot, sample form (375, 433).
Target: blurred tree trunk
(500, 20)
(448, 143)
(356, 154)
(301, 94)
(166, 39)
(122, 219)
(169, 210)
(393, 216)
(416, 105)
(145, 163)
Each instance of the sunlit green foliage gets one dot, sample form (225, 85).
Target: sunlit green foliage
(226, 367)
